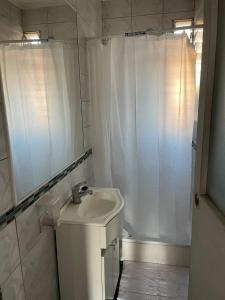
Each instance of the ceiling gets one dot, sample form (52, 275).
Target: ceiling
(27, 4)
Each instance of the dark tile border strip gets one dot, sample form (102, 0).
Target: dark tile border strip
(9, 216)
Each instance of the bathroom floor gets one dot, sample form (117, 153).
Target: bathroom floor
(147, 281)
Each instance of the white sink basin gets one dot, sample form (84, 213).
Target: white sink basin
(96, 209)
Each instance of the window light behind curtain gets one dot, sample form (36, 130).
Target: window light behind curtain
(143, 96)
(43, 110)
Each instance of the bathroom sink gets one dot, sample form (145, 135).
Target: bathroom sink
(96, 205)
(96, 209)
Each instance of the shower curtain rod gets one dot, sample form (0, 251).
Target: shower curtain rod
(34, 41)
(147, 32)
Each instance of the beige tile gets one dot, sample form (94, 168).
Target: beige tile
(116, 8)
(34, 16)
(142, 23)
(42, 28)
(9, 251)
(116, 26)
(178, 5)
(28, 229)
(169, 18)
(13, 288)
(40, 271)
(145, 7)
(63, 31)
(6, 198)
(62, 13)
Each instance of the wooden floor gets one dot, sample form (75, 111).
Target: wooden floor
(146, 281)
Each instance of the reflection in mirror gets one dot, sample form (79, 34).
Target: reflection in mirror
(41, 94)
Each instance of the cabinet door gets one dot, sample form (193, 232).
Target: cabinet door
(116, 262)
(108, 272)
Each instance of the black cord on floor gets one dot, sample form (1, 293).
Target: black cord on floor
(118, 282)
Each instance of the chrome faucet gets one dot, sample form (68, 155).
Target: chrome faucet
(80, 190)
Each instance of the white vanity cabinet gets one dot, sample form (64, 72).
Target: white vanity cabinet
(88, 253)
(111, 268)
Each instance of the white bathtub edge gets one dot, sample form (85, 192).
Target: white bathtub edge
(156, 252)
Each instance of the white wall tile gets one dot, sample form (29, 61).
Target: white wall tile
(63, 31)
(82, 9)
(28, 229)
(40, 271)
(3, 136)
(178, 5)
(13, 288)
(116, 26)
(83, 60)
(86, 113)
(84, 87)
(9, 29)
(83, 173)
(4, 8)
(94, 18)
(62, 190)
(62, 13)
(145, 7)
(34, 16)
(87, 138)
(199, 11)
(169, 18)
(116, 8)
(84, 30)
(9, 251)
(6, 201)
(42, 28)
(15, 14)
(72, 4)
(142, 23)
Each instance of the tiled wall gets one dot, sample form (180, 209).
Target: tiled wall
(199, 11)
(27, 249)
(121, 16)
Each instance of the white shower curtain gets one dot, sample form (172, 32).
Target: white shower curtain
(43, 110)
(143, 97)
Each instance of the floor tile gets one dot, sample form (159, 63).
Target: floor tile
(147, 281)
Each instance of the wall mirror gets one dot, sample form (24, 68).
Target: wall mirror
(40, 84)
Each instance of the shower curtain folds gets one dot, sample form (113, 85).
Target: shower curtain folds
(143, 98)
(43, 110)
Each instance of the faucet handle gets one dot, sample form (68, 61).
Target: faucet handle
(79, 187)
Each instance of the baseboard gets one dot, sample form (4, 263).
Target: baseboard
(154, 252)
